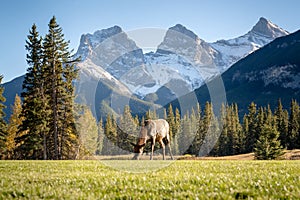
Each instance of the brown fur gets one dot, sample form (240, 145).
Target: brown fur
(153, 131)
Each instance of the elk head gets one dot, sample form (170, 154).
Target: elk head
(139, 147)
(138, 150)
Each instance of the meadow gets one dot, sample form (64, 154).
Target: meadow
(144, 179)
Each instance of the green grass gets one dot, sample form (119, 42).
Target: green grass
(176, 180)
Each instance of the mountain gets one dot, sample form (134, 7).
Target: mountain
(114, 71)
(191, 61)
(181, 57)
(233, 50)
(11, 88)
(266, 75)
(185, 58)
(108, 57)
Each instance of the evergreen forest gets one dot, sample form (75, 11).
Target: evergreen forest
(47, 124)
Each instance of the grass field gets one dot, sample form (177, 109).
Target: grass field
(202, 179)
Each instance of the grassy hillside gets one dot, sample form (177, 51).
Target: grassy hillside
(178, 180)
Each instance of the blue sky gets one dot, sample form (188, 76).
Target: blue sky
(211, 20)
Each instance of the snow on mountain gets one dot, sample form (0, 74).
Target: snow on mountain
(181, 41)
(88, 42)
(112, 50)
(234, 49)
(107, 55)
(181, 57)
(162, 69)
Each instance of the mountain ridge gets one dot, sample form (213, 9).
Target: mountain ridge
(181, 64)
(266, 75)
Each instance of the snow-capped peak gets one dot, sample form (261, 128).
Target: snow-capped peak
(90, 41)
(266, 28)
(233, 50)
(182, 29)
(181, 57)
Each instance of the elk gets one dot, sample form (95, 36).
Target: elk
(153, 131)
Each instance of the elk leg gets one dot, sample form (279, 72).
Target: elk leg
(152, 148)
(169, 146)
(163, 149)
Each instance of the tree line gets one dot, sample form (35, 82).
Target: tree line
(47, 124)
(262, 131)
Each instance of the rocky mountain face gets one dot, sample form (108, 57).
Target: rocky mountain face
(182, 57)
(268, 74)
(113, 65)
(234, 49)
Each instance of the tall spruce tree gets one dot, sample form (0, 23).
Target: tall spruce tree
(205, 133)
(69, 133)
(294, 126)
(223, 138)
(268, 147)
(3, 125)
(238, 135)
(185, 134)
(282, 122)
(100, 137)
(60, 73)
(111, 138)
(252, 134)
(176, 129)
(171, 119)
(35, 103)
(127, 122)
(48, 94)
(229, 140)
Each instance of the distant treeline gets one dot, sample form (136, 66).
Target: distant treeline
(201, 133)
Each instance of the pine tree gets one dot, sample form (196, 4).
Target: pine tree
(3, 125)
(268, 147)
(237, 134)
(100, 137)
(294, 126)
(111, 137)
(32, 145)
(177, 119)
(48, 93)
(171, 120)
(223, 138)
(260, 120)
(128, 123)
(88, 132)
(69, 134)
(174, 123)
(229, 140)
(60, 74)
(165, 114)
(252, 135)
(189, 131)
(15, 122)
(211, 132)
(245, 132)
(185, 136)
(205, 137)
(282, 123)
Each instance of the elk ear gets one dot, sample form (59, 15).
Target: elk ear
(132, 144)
